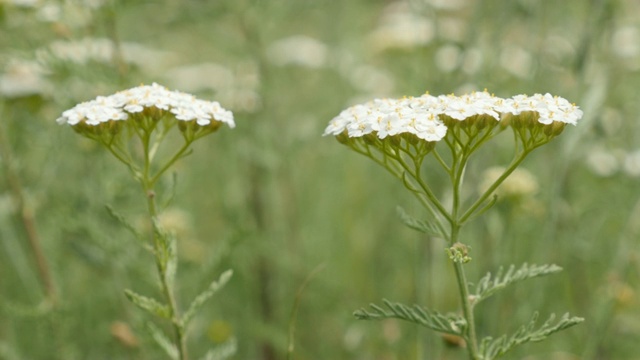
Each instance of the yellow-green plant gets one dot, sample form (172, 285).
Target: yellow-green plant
(400, 134)
(133, 124)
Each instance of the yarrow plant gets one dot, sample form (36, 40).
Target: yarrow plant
(400, 134)
(132, 125)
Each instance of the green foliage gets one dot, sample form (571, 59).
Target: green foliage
(449, 324)
(124, 222)
(223, 351)
(197, 303)
(493, 348)
(274, 191)
(162, 341)
(489, 284)
(149, 304)
(166, 248)
(419, 225)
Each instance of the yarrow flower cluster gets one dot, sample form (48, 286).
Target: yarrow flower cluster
(121, 105)
(428, 117)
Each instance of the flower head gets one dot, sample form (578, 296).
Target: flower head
(429, 117)
(121, 105)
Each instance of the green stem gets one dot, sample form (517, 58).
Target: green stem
(171, 161)
(514, 164)
(415, 173)
(457, 173)
(159, 248)
(467, 307)
(179, 333)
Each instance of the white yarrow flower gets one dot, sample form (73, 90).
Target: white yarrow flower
(423, 116)
(120, 105)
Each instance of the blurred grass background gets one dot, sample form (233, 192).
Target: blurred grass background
(273, 199)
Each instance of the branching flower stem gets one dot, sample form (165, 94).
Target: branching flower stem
(179, 154)
(467, 308)
(514, 164)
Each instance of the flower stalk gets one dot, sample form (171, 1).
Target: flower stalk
(148, 114)
(400, 133)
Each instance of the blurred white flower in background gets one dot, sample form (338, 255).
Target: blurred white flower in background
(71, 14)
(49, 12)
(371, 80)
(558, 51)
(516, 61)
(236, 88)
(472, 60)
(368, 79)
(103, 50)
(21, 3)
(353, 337)
(625, 43)
(602, 162)
(631, 164)
(447, 4)
(199, 77)
(401, 27)
(611, 121)
(452, 29)
(36, 4)
(298, 50)
(447, 58)
(24, 78)
(520, 183)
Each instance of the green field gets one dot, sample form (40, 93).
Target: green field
(308, 226)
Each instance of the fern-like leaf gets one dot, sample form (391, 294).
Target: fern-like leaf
(419, 225)
(489, 284)
(123, 221)
(494, 348)
(162, 341)
(223, 351)
(149, 304)
(434, 320)
(166, 252)
(197, 303)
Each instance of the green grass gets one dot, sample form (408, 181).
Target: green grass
(272, 199)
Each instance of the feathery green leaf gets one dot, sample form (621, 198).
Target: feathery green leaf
(434, 320)
(123, 221)
(223, 351)
(197, 303)
(149, 304)
(489, 284)
(494, 348)
(420, 225)
(161, 339)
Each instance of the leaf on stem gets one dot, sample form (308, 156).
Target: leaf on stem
(222, 352)
(123, 221)
(197, 303)
(420, 225)
(434, 320)
(494, 348)
(489, 285)
(172, 259)
(167, 251)
(488, 205)
(172, 193)
(161, 340)
(149, 304)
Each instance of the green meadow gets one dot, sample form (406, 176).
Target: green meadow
(309, 227)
